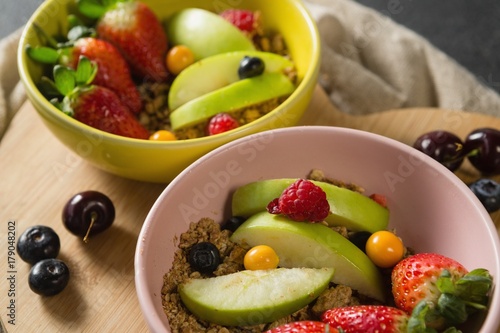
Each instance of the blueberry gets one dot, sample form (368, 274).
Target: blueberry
(359, 239)
(48, 277)
(204, 257)
(233, 223)
(488, 192)
(37, 243)
(250, 67)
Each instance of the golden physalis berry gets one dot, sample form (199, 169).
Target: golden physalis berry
(178, 58)
(260, 257)
(385, 249)
(163, 135)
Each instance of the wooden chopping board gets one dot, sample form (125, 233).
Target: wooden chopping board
(38, 175)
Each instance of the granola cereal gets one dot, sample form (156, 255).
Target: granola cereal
(181, 321)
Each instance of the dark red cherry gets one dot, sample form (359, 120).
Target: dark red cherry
(483, 150)
(443, 146)
(88, 213)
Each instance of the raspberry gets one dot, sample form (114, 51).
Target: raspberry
(221, 122)
(301, 201)
(242, 19)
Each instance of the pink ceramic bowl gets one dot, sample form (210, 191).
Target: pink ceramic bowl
(432, 209)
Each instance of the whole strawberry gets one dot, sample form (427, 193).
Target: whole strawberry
(367, 319)
(94, 105)
(301, 201)
(112, 70)
(101, 108)
(443, 285)
(136, 31)
(303, 327)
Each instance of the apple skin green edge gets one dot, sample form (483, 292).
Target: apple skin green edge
(254, 297)
(230, 98)
(304, 244)
(217, 71)
(350, 209)
(189, 27)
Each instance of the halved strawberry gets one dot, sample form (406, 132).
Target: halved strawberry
(94, 105)
(442, 285)
(136, 31)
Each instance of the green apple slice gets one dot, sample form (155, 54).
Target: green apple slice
(230, 98)
(218, 71)
(351, 209)
(253, 297)
(205, 33)
(302, 244)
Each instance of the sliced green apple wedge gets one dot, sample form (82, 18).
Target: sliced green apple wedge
(253, 297)
(218, 71)
(302, 244)
(205, 33)
(353, 210)
(230, 98)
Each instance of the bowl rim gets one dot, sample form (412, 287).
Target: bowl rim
(146, 299)
(53, 112)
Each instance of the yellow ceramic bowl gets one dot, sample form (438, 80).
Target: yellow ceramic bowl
(161, 161)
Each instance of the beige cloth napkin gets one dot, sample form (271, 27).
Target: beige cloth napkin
(12, 94)
(369, 64)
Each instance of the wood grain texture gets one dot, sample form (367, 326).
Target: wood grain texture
(38, 175)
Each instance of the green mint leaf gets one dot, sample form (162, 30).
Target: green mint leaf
(64, 78)
(43, 54)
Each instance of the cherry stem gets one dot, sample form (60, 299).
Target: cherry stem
(93, 218)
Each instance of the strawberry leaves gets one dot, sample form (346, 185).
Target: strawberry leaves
(464, 296)
(95, 8)
(68, 81)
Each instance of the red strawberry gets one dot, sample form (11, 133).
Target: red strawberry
(301, 201)
(112, 69)
(303, 327)
(245, 20)
(221, 122)
(137, 32)
(101, 108)
(442, 284)
(367, 319)
(94, 105)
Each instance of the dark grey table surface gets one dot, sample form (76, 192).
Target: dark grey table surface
(467, 30)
